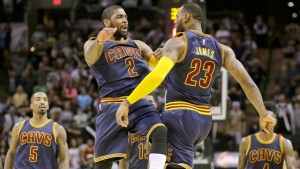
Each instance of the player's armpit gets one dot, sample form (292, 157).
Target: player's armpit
(288, 152)
(242, 153)
(63, 157)
(9, 160)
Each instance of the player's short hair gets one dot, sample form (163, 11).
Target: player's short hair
(108, 11)
(194, 9)
(32, 96)
(271, 106)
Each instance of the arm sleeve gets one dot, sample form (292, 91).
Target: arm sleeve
(152, 61)
(152, 80)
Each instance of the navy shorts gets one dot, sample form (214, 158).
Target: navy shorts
(111, 139)
(186, 128)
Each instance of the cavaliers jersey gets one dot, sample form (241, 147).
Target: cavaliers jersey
(191, 79)
(264, 155)
(37, 147)
(138, 158)
(119, 69)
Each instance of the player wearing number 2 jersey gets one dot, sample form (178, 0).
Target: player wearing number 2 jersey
(190, 63)
(118, 64)
(38, 142)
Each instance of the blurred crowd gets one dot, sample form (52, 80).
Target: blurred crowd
(54, 62)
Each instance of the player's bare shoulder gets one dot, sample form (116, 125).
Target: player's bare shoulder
(61, 132)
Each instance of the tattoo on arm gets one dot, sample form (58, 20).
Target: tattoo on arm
(235, 68)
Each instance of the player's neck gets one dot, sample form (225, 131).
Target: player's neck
(266, 136)
(39, 119)
(197, 27)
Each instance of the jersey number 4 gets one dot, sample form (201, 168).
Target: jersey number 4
(33, 154)
(130, 63)
(197, 66)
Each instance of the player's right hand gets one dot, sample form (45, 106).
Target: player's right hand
(266, 121)
(105, 34)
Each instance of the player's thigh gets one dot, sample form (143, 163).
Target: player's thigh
(111, 139)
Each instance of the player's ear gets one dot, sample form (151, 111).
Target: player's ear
(106, 23)
(186, 17)
(31, 106)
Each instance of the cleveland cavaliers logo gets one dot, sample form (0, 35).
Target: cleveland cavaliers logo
(36, 137)
(119, 52)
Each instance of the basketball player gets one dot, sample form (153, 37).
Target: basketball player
(191, 62)
(137, 148)
(38, 142)
(266, 150)
(118, 64)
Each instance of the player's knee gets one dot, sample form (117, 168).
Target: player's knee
(106, 164)
(159, 134)
(158, 139)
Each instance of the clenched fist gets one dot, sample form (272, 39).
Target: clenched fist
(105, 34)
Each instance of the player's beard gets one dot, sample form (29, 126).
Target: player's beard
(179, 27)
(119, 34)
(42, 111)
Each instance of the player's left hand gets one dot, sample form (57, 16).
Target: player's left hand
(158, 53)
(122, 114)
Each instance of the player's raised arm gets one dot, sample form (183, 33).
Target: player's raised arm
(243, 150)
(63, 157)
(238, 71)
(9, 160)
(289, 156)
(171, 52)
(93, 47)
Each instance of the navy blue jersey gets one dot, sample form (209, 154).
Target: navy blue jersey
(119, 69)
(138, 158)
(264, 155)
(37, 146)
(192, 77)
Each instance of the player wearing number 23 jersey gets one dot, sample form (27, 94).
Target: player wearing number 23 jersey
(190, 64)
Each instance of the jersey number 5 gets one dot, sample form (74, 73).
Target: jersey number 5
(33, 154)
(197, 66)
(130, 63)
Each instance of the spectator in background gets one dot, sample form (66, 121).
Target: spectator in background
(3, 34)
(257, 72)
(87, 152)
(66, 115)
(20, 98)
(84, 99)
(41, 85)
(260, 29)
(74, 132)
(286, 114)
(70, 90)
(155, 37)
(249, 47)
(23, 113)
(81, 118)
(222, 35)
(79, 73)
(10, 119)
(74, 154)
(297, 116)
(236, 118)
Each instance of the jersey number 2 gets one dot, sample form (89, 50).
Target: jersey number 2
(130, 63)
(266, 166)
(33, 154)
(197, 66)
